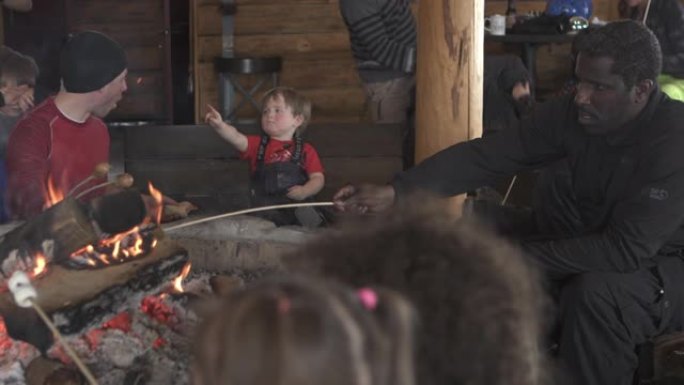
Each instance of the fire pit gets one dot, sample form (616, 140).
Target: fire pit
(119, 298)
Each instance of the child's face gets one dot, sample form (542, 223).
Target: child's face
(277, 119)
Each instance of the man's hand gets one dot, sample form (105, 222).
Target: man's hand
(365, 198)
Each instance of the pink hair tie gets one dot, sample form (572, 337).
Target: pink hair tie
(368, 297)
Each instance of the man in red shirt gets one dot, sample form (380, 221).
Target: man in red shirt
(64, 138)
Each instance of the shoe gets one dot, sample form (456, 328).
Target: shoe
(308, 217)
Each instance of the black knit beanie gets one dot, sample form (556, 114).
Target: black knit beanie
(89, 61)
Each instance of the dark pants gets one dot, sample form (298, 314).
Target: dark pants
(605, 316)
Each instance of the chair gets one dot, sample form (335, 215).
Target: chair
(230, 69)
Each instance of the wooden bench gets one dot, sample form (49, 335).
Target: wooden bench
(192, 162)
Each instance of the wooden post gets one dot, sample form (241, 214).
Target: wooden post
(449, 74)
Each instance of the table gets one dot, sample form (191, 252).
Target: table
(529, 44)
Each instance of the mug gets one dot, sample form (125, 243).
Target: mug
(497, 25)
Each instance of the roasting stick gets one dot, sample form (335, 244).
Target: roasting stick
(508, 192)
(648, 8)
(25, 296)
(122, 180)
(247, 211)
(100, 171)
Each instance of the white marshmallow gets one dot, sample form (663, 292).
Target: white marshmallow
(20, 285)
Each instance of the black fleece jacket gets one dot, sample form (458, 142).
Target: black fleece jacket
(629, 185)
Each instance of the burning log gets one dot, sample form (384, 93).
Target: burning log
(66, 227)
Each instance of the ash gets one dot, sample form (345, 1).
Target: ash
(147, 341)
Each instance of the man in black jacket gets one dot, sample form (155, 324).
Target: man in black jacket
(621, 267)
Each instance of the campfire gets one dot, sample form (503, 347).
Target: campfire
(92, 281)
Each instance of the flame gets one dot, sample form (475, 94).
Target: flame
(54, 195)
(41, 262)
(120, 247)
(178, 281)
(117, 248)
(158, 197)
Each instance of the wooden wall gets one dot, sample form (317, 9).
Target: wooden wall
(311, 38)
(206, 40)
(141, 27)
(206, 170)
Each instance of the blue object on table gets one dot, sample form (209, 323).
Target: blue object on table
(569, 7)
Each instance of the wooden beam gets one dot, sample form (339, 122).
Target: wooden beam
(449, 74)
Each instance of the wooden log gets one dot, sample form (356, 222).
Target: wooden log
(449, 74)
(78, 299)
(56, 233)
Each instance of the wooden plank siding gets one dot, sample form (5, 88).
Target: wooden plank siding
(202, 166)
(311, 38)
(206, 44)
(141, 29)
(313, 41)
(309, 35)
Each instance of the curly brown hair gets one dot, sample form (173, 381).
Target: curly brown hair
(479, 301)
(302, 331)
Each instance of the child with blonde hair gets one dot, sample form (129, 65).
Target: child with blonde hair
(283, 167)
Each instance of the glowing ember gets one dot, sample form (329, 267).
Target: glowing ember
(158, 198)
(41, 262)
(178, 281)
(158, 309)
(54, 195)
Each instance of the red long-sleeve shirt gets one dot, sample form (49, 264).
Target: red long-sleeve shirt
(46, 144)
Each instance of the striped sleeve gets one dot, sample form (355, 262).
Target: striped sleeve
(380, 30)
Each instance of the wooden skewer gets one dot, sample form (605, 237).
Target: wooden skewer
(648, 8)
(67, 348)
(100, 171)
(25, 295)
(508, 192)
(122, 180)
(246, 211)
(93, 188)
